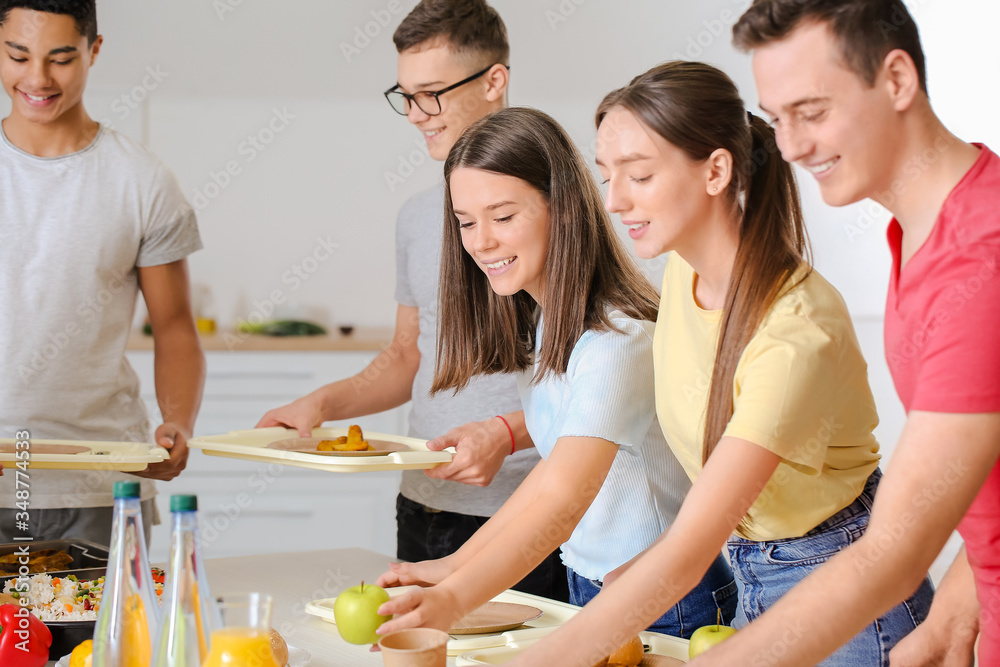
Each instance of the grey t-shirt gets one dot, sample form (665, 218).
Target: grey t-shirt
(73, 230)
(419, 230)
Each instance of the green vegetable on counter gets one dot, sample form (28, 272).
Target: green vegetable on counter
(282, 328)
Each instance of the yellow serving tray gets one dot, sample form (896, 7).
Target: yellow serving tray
(660, 646)
(81, 454)
(252, 445)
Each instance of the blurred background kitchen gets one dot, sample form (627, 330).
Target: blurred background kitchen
(271, 114)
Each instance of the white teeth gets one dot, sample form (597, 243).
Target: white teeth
(820, 168)
(637, 226)
(499, 265)
(434, 133)
(38, 99)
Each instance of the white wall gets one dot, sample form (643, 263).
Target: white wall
(225, 68)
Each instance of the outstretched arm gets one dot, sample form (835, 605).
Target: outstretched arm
(733, 478)
(560, 496)
(940, 464)
(386, 383)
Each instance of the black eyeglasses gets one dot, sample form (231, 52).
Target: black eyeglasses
(426, 100)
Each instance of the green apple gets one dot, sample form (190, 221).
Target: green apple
(356, 613)
(708, 636)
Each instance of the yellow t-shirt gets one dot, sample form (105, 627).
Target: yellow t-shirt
(800, 391)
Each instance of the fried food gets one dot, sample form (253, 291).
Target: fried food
(279, 648)
(45, 560)
(352, 442)
(629, 655)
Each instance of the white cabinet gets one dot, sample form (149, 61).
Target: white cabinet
(252, 508)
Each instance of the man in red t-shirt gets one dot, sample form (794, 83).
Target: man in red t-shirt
(844, 82)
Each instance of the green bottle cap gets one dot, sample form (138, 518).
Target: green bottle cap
(183, 503)
(126, 489)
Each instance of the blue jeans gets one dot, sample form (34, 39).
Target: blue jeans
(767, 570)
(716, 592)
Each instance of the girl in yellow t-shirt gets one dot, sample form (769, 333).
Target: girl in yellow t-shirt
(761, 388)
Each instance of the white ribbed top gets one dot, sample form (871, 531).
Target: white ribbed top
(608, 392)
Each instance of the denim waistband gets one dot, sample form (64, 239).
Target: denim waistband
(862, 505)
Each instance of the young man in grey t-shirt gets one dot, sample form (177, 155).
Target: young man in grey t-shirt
(452, 71)
(88, 219)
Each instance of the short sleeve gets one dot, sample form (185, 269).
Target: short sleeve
(960, 354)
(785, 392)
(170, 225)
(611, 386)
(404, 292)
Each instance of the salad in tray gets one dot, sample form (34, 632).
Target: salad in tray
(67, 598)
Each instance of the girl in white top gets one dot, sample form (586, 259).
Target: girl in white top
(525, 234)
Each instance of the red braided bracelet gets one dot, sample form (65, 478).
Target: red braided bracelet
(513, 445)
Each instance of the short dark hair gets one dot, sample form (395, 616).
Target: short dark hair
(866, 29)
(470, 27)
(84, 12)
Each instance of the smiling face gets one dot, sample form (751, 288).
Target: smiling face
(44, 65)
(826, 118)
(431, 67)
(505, 228)
(659, 192)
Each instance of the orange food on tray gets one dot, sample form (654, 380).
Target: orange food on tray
(353, 442)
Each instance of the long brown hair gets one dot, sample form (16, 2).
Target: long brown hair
(587, 272)
(698, 109)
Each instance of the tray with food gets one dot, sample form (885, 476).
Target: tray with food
(66, 602)
(648, 649)
(60, 557)
(80, 454)
(331, 449)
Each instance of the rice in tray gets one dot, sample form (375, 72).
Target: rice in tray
(61, 598)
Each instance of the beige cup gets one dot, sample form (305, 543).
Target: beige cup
(416, 647)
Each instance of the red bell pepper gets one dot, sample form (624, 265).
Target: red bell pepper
(24, 640)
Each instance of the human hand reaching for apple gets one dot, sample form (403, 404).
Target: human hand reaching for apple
(433, 607)
(425, 573)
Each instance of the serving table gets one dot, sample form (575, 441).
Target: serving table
(296, 579)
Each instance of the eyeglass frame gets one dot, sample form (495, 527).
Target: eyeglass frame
(411, 99)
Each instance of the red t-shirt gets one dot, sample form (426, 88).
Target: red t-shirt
(942, 341)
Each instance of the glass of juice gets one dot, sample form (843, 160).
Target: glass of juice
(244, 639)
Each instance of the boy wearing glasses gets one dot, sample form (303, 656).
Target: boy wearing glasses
(452, 71)
(844, 82)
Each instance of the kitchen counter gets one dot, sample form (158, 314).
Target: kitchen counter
(362, 339)
(294, 580)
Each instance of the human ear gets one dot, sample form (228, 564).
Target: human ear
(496, 82)
(95, 48)
(901, 78)
(719, 171)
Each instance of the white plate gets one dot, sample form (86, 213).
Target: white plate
(83, 454)
(252, 445)
(296, 658)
